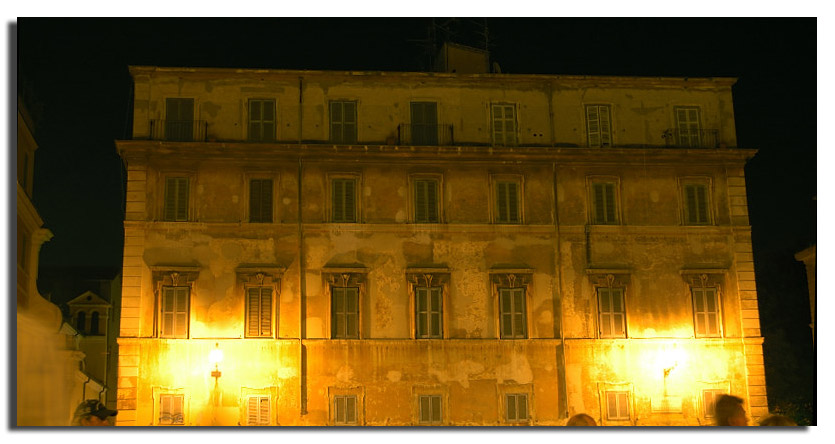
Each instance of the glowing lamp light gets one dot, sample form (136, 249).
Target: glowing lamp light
(215, 357)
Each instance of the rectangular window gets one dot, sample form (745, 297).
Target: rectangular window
(612, 312)
(345, 313)
(174, 312)
(343, 121)
(176, 199)
(258, 411)
(259, 310)
(343, 200)
(430, 409)
(617, 406)
(504, 125)
(507, 202)
(171, 410)
(706, 311)
(516, 407)
(426, 201)
(512, 314)
(605, 212)
(261, 200)
(709, 398)
(179, 119)
(345, 409)
(424, 123)
(429, 312)
(261, 120)
(688, 126)
(598, 124)
(696, 209)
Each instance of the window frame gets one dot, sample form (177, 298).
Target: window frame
(600, 132)
(270, 392)
(336, 393)
(692, 181)
(431, 421)
(515, 279)
(427, 278)
(434, 139)
(248, 307)
(260, 276)
(273, 213)
(158, 394)
(717, 325)
(249, 120)
(505, 392)
(591, 183)
(167, 122)
(495, 208)
(345, 278)
(187, 312)
(189, 212)
(172, 276)
(331, 123)
(414, 179)
(618, 396)
(504, 133)
(622, 313)
(679, 122)
(331, 205)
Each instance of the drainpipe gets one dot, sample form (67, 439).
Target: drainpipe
(300, 111)
(302, 297)
(561, 364)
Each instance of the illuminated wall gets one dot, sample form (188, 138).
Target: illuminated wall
(554, 252)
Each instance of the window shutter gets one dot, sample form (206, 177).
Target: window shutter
(511, 407)
(351, 409)
(506, 313)
(252, 411)
(252, 316)
(605, 127)
(513, 202)
(352, 309)
(339, 416)
(432, 200)
(522, 408)
(167, 311)
(593, 124)
(424, 409)
(170, 207)
(338, 201)
(350, 122)
(501, 191)
(422, 311)
(701, 204)
(436, 317)
(266, 312)
(519, 313)
(350, 194)
(254, 120)
(599, 203)
(436, 408)
(421, 196)
(336, 122)
(268, 130)
(610, 202)
(181, 312)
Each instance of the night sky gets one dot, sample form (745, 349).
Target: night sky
(74, 74)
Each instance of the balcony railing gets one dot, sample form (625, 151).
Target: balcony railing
(677, 138)
(178, 130)
(420, 134)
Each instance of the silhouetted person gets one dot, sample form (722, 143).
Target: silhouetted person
(92, 413)
(581, 420)
(729, 411)
(777, 420)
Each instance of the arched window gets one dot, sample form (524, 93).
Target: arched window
(80, 320)
(94, 323)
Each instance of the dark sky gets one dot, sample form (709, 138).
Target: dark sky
(75, 76)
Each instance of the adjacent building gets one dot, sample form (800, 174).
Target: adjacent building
(407, 249)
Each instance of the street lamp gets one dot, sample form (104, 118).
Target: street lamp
(215, 357)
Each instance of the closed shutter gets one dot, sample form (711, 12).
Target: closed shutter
(345, 409)
(259, 311)
(171, 410)
(422, 296)
(344, 200)
(598, 124)
(696, 204)
(179, 119)
(507, 205)
(513, 317)
(504, 125)
(516, 407)
(687, 121)
(604, 203)
(261, 200)
(424, 123)
(258, 411)
(617, 406)
(706, 311)
(176, 199)
(343, 122)
(426, 201)
(174, 312)
(262, 120)
(429, 409)
(345, 313)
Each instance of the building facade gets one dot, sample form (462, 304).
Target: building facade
(381, 248)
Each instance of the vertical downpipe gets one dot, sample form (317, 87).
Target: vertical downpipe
(561, 364)
(302, 283)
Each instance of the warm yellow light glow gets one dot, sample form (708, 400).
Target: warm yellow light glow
(671, 358)
(216, 355)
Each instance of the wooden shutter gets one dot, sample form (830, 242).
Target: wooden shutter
(426, 200)
(349, 123)
(179, 119)
(706, 311)
(345, 409)
(506, 311)
(617, 406)
(696, 204)
(422, 315)
(511, 414)
(435, 313)
(687, 121)
(174, 315)
(604, 203)
(504, 125)
(598, 125)
(424, 123)
(258, 411)
(507, 197)
(259, 311)
(171, 410)
(176, 199)
(513, 322)
(261, 200)
(345, 312)
(344, 200)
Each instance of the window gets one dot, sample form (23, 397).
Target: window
(430, 409)
(258, 411)
(424, 123)
(171, 410)
(259, 309)
(709, 398)
(176, 199)
(516, 407)
(688, 126)
(598, 125)
(343, 121)
(426, 201)
(344, 409)
(603, 197)
(174, 312)
(81, 321)
(179, 119)
(696, 209)
(504, 125)
(512, 315)
(507, 202)
(94, 323)
(261, 120)
(706, 311)
(345, 313)
(429, 312)
(261, 200)
(343, 200)
(612, 312)
(617, 406)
